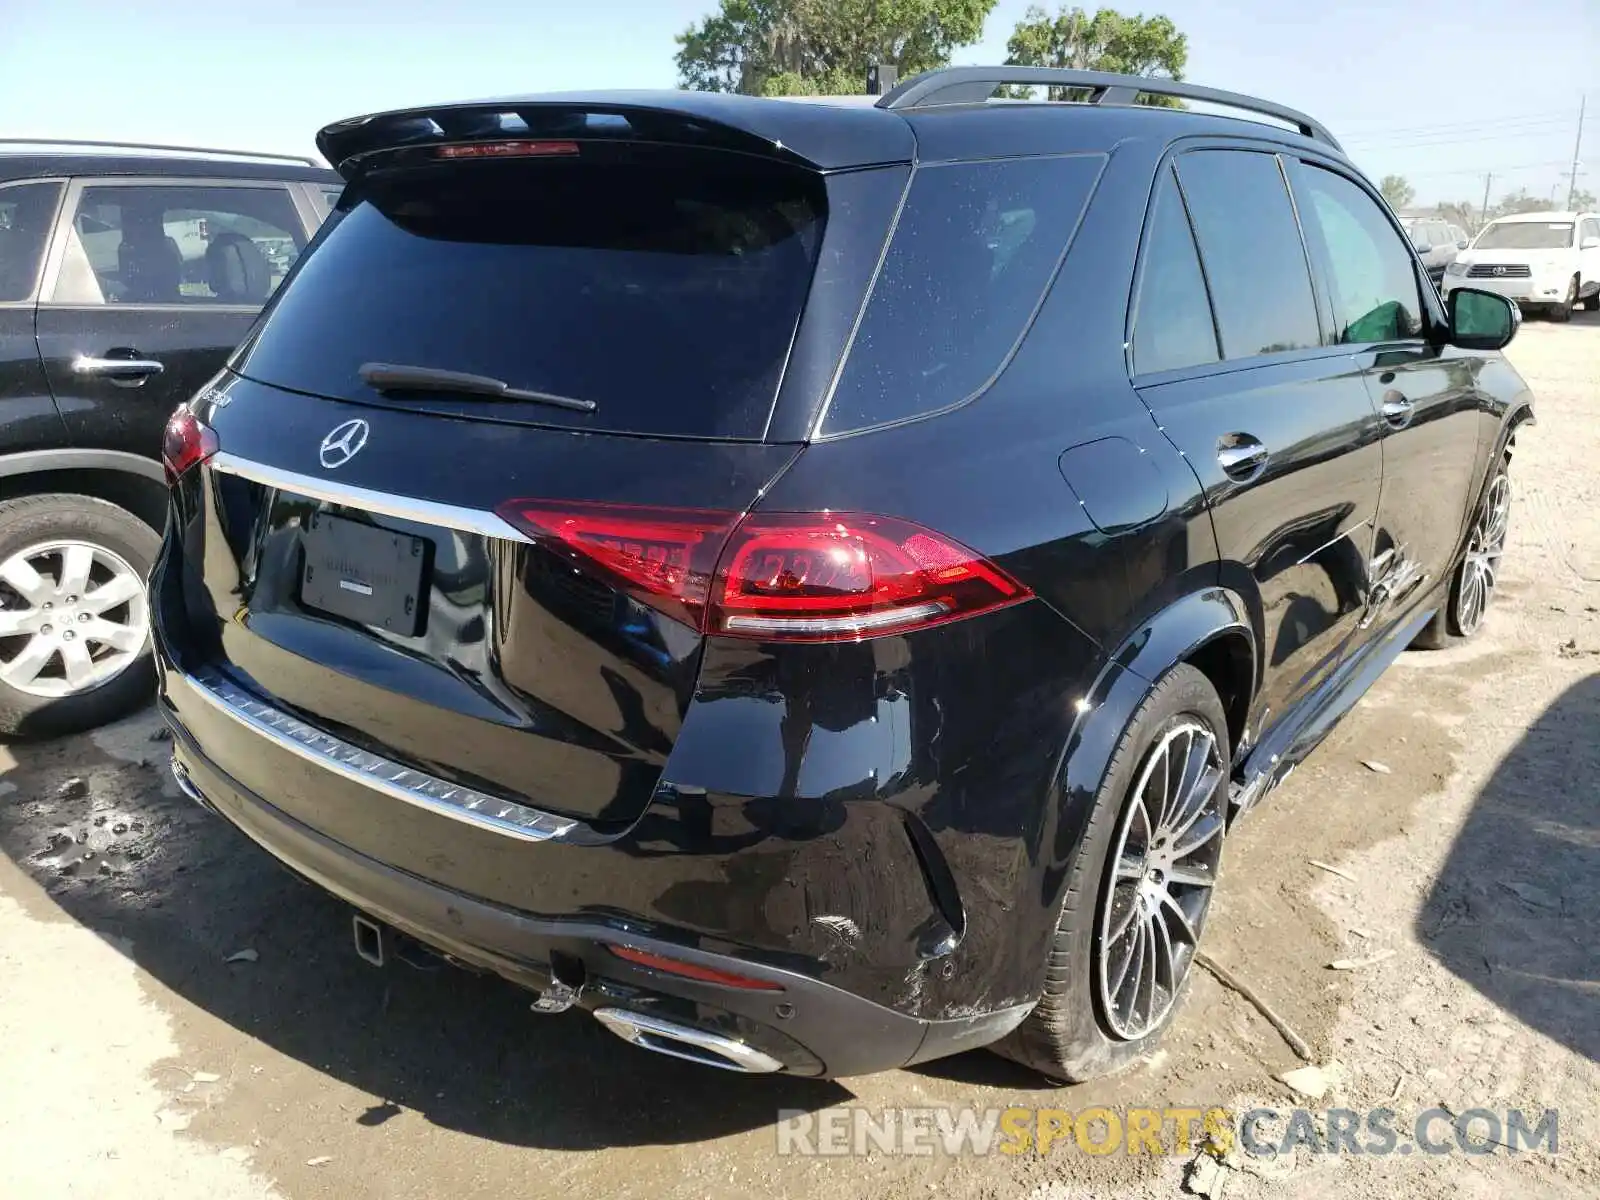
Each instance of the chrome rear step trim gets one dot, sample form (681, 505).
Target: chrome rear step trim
(686, 1042)
(379, 773)
(426, 512)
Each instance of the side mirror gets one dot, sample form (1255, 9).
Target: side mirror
(1420, 245)
(1589, 243)
(1482, 320)
(1463, 244)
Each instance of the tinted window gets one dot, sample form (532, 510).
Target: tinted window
(665, 288)
(26, 213)
(1172, 325)
(1251, 248)
(976, 245)
(179, 245)
(1375, 295)
(1525, 235)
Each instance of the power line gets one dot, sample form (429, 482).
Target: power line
(1454, 126)
(1540, 129)
(1547, 112)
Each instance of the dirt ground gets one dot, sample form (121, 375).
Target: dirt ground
(137, 1060)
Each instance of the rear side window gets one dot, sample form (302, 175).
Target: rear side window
(975, 247)
(26, 213)
(1375, 295)
(663, 286)
(1250, 244)
(1172, 326)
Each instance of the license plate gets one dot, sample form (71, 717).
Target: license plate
(364, 574)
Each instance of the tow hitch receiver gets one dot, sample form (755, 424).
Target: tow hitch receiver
(372, 940)
(566, 981)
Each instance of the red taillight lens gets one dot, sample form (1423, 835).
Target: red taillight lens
(186, 442)
(660, 557)
(672, 966)
(814, 577)
(842, 576)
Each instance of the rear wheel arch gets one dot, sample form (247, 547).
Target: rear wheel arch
(132, 483)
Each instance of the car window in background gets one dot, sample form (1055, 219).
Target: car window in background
(200, 245)
(1526, 235)
(330, 197)
(974, 250)
(1375, 294)
(1591, 229)
(1172, 325)
(26, 214)
(1250, 245)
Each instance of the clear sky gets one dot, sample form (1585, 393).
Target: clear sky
(1440, 91)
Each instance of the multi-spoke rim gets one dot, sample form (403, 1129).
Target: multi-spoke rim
(1160, 879)
(73, 616)
(1480, 570)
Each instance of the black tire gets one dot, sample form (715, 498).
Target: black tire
(1591, 303)
(1067, 1035)
(1446, 629)
(1562, 313)
(33, 520)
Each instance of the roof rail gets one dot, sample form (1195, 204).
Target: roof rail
(204, 150)
(974, 85)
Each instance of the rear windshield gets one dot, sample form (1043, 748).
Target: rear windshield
(664, 288)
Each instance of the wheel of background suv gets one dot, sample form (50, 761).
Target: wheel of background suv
(1563, 311)
(1139, 890)
(1473, 584)
(1591, 303)
(74, 620)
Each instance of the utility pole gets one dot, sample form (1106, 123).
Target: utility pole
(1483, 217)
(1577, 148)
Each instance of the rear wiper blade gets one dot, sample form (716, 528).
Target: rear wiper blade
(390, 377)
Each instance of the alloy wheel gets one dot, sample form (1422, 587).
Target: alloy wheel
(72, 616)
(1480, 570)
(1160, 879)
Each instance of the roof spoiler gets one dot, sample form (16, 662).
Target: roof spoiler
(807, 135)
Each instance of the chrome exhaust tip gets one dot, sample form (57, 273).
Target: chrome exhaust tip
(686, 1042)
(180, 775)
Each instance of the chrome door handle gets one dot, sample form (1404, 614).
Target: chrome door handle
(125, 372)
(1396, 409)
(1241, 456)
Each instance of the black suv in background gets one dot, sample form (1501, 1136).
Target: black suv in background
(127, 274)
(814, 584)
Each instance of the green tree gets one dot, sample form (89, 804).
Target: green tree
(1397, 191)
(1106, 41)
(1518, 202)
(1461, 213)
(806, 47)
(1583, 201)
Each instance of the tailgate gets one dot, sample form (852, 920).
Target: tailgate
(384, 601)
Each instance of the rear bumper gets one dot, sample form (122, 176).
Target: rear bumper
(808, 1026)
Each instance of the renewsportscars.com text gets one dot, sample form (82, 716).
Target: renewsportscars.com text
(1258, 1132)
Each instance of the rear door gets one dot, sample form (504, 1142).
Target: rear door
(1424, 390)
(151, 283)
(27, 413)
(1228, 353)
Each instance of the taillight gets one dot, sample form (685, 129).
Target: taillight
(814, 577)
(840, 576)
(661, 557)
(186, 442)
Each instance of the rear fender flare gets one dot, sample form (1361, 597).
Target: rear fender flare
(1126, 677)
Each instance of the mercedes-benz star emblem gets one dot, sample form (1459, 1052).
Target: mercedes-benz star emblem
(343, 443)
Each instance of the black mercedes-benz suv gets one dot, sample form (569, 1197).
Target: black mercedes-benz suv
(813, 585)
